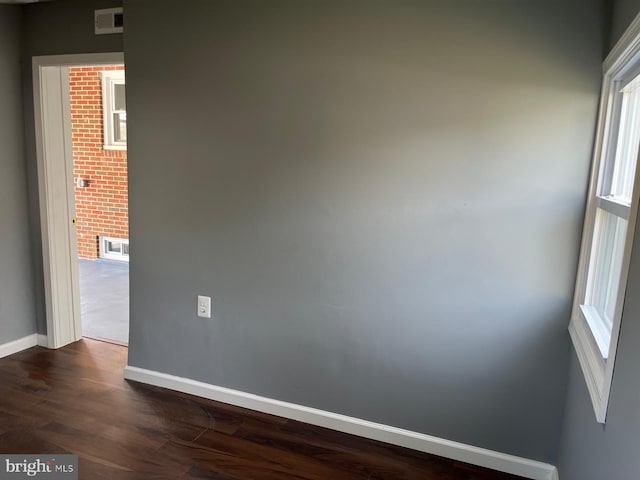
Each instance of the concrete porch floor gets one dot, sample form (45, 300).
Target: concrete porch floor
(104, 299)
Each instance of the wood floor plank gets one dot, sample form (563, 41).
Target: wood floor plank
(75, 400)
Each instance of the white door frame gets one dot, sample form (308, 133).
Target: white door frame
(55, 186)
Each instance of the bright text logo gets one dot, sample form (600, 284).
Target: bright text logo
(51, 467)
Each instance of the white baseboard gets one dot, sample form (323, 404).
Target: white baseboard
(18, 345)
(43, 341)
(396, 436)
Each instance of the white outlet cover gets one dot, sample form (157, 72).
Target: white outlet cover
(204, 306)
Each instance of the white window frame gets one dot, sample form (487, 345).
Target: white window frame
(110, 78)
(595, 345)
(105, 253)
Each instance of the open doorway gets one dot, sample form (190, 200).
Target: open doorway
(58, 183)
(99, 145)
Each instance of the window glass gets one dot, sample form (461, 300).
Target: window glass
(114, 247)
(120, 127)
(119, 99)
(626, 157)
(604, 273)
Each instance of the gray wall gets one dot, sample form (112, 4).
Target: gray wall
(624, 11)
(383, 198)
(590, 451)
(17, 314)
(54, 28)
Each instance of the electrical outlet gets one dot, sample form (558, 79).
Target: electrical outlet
(204, 306)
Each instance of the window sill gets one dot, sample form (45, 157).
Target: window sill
(115, 147)
(594, 366)
(601, 335)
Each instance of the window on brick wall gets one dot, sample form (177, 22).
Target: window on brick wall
(114, 107)
(114, 248)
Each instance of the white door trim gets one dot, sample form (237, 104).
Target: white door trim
(55, 186)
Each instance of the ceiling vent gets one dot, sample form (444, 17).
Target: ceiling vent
(109, 20)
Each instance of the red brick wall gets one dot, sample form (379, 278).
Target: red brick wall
(101, 208)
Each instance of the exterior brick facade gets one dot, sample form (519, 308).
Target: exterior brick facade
(101, 207)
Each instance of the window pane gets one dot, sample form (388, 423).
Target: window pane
(114, 247)
(119, 99)
(125, 248)
(627, 148)
(120, 127)
(606, 264)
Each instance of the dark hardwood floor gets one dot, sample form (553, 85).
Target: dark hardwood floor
(74, 400)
